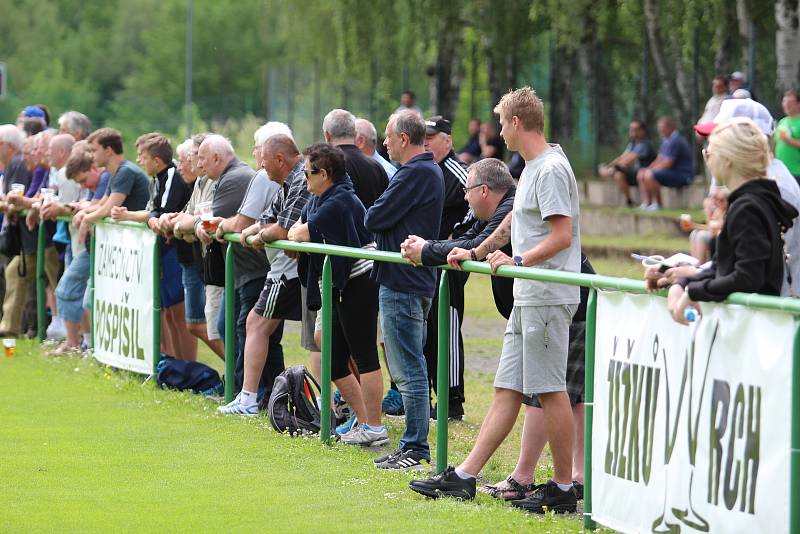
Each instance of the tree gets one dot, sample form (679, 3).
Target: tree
(787, 44)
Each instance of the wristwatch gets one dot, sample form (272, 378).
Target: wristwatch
(517, 261)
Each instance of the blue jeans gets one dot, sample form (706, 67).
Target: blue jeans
(404, 323)
(246, 297)
(194, 294)
(71, 287)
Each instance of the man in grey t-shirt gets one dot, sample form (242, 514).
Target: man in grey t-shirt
(543, 229)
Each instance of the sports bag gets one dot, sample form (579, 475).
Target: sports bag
(183, 375)
(292, 406)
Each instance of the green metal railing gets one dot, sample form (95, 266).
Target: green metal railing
(594, 282)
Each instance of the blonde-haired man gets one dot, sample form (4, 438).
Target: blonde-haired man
(543, 230)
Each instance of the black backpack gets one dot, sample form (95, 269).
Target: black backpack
(292, 406)
(183, 375)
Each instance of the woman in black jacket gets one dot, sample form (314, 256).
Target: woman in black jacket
(334, 215)
(750, 254)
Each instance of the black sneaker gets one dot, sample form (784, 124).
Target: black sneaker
(404, 460)
(549, 498)
(445, 484)
(391, 456)
(578, 489)
(453, 414)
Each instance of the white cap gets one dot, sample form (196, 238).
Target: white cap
(739, 107)
(738, 75)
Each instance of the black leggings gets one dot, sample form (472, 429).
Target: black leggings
(354, 327)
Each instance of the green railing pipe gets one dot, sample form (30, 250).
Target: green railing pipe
(442, 371)
(157, 305)
(588, 408)
(230, 324)
(325, 357)
(794, 461)
(40, 287)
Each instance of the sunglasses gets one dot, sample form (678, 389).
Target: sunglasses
(309, 173)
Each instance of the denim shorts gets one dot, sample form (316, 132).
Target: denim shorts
(171, 274)
(71, 288)
(194, 295)
(673, 178)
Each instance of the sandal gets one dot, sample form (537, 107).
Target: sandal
(512, 491)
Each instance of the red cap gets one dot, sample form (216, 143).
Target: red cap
(705, 129)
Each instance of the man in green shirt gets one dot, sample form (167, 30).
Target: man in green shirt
(787, 134)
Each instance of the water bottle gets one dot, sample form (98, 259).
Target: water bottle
(691, 314)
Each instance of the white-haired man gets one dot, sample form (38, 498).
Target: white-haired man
(367, 142)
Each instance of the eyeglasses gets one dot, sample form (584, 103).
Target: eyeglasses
(309, 173)
(466, 189)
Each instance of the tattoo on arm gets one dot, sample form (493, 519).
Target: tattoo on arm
(497, 240)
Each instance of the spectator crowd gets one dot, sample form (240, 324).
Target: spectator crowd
(423, 199)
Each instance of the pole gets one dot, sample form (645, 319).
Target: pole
(442, 372)
(188, 89)
(157, 305)
(588, 407)
(230, 329)
(325, 374)
(91, 288)
(794, 462)
(40, 298)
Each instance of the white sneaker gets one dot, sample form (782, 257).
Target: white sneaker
(653, 207)
(235, 407)
(56, 329)
(643, 206)
(360, 435)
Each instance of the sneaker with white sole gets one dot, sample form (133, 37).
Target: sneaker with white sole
(347, 426)
(405, 460)
(56, 330)
(235, 407)
(367, 437)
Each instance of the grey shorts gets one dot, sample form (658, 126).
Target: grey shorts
(307, 324)
(535, 348)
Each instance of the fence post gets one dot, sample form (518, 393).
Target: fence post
(442, 372)
(588, 407)
(794, 461)
(325, 373)
(157, 305)
(91, 287)
(230, 326)
(40, 297)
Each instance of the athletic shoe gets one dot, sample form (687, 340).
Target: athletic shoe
(56, 329)
(453, 414)
(392, 403)
(653, 207)
(361, 435)
(391, 456)
(405, 460)
(347, 426)
(549, 498)
(578, 489)
(445, 484)
(235, 407)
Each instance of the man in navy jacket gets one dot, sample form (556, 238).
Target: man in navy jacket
(411, 205)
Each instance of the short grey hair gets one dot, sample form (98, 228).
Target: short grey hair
(75, 123)
(410, 123)
(185, 148)
(340, 124)
(367, 130)
(269, 129)
(219, 145)
(11, 135)
(492, 172)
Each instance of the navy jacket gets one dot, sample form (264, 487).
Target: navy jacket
(335, 218)
(412, 204)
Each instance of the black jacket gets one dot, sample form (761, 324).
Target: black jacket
(749, 256)
(170, 195)
(367, 175)
(455, 208)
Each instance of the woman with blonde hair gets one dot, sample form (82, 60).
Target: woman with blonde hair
(750, 253)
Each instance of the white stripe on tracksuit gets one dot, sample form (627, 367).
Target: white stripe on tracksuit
(455, 362)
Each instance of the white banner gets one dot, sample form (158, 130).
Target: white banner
(123, 297)
(691, 429)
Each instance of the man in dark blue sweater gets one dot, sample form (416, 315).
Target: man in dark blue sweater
(411, 205)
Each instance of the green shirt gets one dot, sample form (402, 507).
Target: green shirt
(785, 152)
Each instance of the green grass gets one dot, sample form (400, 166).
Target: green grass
(637, 242)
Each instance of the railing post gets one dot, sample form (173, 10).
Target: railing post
(157, 305)
(40, 295)
(230, 324)
(91, 288)
(325, 364)
(442, 371)
(794, 461)
(588, 407)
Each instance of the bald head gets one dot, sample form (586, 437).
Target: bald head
(214, 155)
(279, 155)
(60, 149)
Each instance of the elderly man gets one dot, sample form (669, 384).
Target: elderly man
(76, 124)
(672, 168)
(280, 296)
(367, 141)
(411, 205)
(439, 143)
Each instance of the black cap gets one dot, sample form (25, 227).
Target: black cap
(437, 124)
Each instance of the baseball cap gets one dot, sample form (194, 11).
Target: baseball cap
(33, 112)
(437, 124)
(739, 107)
(738, 75)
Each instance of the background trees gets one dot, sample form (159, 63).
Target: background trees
(597, 63)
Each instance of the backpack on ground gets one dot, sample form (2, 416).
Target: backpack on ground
(184, 375)
(293, 406)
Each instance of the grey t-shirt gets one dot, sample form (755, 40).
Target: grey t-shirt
(546, 187)
(131, 181)
(228, 195)
(259, 195)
